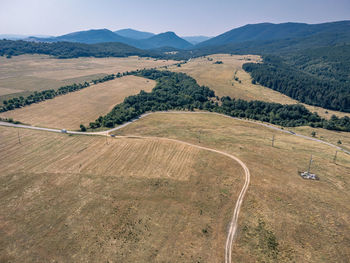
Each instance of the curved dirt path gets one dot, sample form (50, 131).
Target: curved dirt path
(234, 221)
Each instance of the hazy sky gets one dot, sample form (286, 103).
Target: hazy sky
(185, 17)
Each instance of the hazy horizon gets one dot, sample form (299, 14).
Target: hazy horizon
(185, 18)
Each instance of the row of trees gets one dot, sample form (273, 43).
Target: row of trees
(39, 96)
(177, 91)
(11, 48)
(284, 115)
(275, 113)
(276, 74)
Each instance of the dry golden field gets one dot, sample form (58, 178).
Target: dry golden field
(91, 199)
(21, 75)
(309, 220)
(101, 199)
(80, 107)
(221, 78)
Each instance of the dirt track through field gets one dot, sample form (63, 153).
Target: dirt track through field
(234, 221)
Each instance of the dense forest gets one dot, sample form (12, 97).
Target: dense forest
(37, 96)
(177, 91)
(327, 63)
(317, 77)
(10, 48)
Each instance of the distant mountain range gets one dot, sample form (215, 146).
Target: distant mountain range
(264, 38)
(135, 34)
(17, 37)
(138, 39)
(92, 36)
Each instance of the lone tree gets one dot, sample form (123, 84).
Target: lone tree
(82, 128)
(313, 134)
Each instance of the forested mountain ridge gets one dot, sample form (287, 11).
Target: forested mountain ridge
(71, 50)
(167, 39)
(277, 47)
(134, 34)
(96, 36)
(91, 36)
(269, 31)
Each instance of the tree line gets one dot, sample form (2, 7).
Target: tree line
(64, 50)
(38, 96)
(173, 91)
(178, 91)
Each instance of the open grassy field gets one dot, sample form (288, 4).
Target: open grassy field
(284, 218)
(91, 199)
(21, 75)
(229, 79)
(80, 107)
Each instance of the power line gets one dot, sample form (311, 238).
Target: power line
(335, 157)
(19, 139)
(308, 170)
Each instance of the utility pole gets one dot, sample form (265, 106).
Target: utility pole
(273, 140)
(308, 170)
(335, 157)
(19, 139)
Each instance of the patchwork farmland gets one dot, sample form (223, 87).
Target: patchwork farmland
(81, 107)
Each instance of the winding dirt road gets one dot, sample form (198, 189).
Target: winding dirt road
(234, 221)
